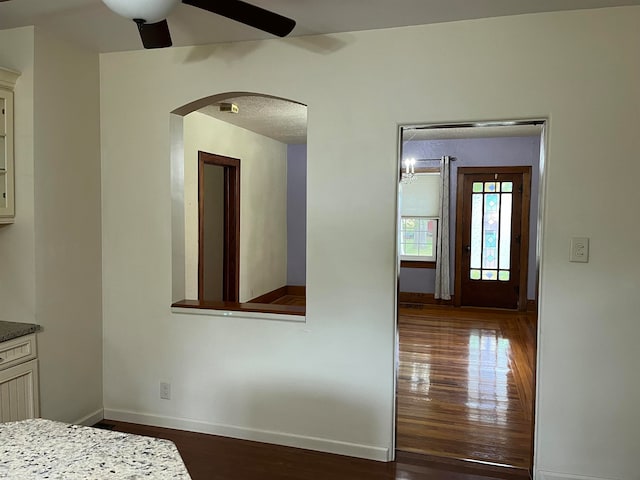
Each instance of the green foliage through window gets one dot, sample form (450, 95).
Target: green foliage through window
(418, 238)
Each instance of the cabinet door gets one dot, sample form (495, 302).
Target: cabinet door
(19, 392)
(6, 156)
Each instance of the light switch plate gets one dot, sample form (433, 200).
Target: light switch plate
(579, 250)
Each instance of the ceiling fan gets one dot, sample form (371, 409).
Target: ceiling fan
(150, 16)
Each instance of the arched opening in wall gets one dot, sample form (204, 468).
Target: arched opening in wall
(469, 228)
(239, 205)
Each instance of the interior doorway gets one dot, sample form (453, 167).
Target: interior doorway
(269, 135)
(492, 245)
(465, 386)
(218, 228)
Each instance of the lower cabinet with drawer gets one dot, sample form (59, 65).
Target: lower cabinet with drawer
(19, 397)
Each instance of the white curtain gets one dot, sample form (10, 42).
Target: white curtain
(443, 276)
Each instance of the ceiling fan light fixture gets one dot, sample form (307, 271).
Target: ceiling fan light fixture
(151, 11)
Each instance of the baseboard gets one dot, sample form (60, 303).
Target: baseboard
(422, 298)
(264, 436)
(91, 419)
(429, 299)
(542, 475)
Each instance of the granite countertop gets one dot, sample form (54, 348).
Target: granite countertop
(44, 449)
(11, 330)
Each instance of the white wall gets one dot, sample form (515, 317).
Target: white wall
(329, 383)
(17, 241)
(263, 202)
(51, 255)
(68, 228)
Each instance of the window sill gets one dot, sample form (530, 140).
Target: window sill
(262, 311)
(416, 264)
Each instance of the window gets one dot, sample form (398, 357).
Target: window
(491, 231)
(419, 213)
(418, 238)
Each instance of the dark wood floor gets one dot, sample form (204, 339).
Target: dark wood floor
(208, 457)
(465, 391)
(466, 384)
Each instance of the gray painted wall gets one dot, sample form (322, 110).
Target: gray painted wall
(476, 152)
(296, 214)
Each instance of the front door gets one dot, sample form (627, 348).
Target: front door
(492, 236)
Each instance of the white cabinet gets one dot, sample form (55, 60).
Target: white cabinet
(7, 207)
(19, 397)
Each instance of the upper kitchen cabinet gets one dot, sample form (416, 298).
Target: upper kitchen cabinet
(7, 205)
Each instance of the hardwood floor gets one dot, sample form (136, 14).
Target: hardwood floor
(466, 384)
(465, 391)
(208, 457)
(297, 300)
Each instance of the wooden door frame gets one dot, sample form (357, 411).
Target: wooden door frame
(231, 242)
(524, 226)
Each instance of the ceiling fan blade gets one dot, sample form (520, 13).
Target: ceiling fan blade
(154, 35)
(248, 14)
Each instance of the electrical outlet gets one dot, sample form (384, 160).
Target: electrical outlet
(165, 391)
(579, 250)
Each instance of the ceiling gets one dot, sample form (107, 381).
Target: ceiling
(279, 119)
(92, 24)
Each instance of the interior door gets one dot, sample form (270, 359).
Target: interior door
(492, 237)
(219, 191)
